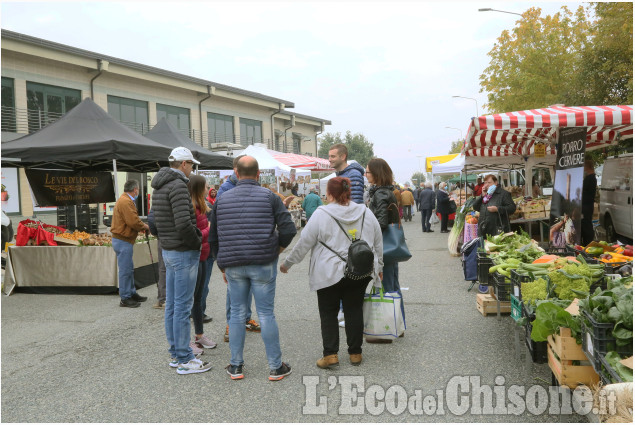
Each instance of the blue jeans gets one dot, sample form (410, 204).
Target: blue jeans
(261, 280)
(209, 265)
(228, 307)
(181, 269)
(391, 283)
(123, 250)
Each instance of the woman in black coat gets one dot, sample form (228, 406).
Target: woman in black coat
(494, 208)
(383, 204)
(443, 206)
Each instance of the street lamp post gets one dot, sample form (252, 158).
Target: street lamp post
(471, 98)
(460, 131)
(488, 9)
(419, 156)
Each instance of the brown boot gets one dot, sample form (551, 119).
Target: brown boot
(226, 337)
(356, 359)
(328, 362)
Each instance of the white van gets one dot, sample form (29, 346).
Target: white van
(616, 197)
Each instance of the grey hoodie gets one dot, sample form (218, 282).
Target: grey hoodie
(326, 269)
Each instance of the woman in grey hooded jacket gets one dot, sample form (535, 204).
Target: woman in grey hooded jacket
(326, 270)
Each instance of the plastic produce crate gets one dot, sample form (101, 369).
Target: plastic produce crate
(517, 308)
(517, 279)
(537, 350)
(483, 263)
(608, 375)
(502, 287)
(598, 340)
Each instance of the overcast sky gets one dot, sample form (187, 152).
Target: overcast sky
(385, 69)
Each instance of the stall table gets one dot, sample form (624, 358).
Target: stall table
(73, 266)
(528, 222)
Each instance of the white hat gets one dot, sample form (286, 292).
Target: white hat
(182, 154)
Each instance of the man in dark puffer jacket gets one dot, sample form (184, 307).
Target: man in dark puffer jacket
(181, 242)
(250, 227)
(338, 155)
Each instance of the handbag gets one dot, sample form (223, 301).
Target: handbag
(395, 248)
(383, 318)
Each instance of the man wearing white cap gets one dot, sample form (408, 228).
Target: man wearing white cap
(181, 242)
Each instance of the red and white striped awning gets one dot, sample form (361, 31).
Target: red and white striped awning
(302, 161)
(516, 133)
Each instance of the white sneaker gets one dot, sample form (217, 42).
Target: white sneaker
(193, 366)
(342, 324)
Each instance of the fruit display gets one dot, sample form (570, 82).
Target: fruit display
(609, 254)
(75, 236)
(97, 240)
(472, 218)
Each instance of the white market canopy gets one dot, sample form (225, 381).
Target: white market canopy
(267, 161)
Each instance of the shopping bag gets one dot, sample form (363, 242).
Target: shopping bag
(434, 219)
(395, 248)
(383, 318)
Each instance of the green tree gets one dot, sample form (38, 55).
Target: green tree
(536, 63)
(456, 146)
(359, 147)
(606, 70)
(325, 142)
(418, 178)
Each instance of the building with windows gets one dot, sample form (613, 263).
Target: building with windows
(42, 80)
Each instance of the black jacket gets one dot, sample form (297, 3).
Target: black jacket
(381, 197)
(488, 222)
(443, 202)
(589, 186)
(427, 199)
(173, 212)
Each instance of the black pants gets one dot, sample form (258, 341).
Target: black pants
(351, 293)
(587, 232)
(425, 219)
(197, 309)
(444, 221)
(407, 212)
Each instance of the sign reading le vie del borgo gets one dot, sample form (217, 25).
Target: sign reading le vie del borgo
(59, 188)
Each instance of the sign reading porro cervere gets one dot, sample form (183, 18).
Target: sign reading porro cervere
(60, 188)
(566, 201)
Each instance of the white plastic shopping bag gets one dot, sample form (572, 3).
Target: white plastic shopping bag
(382, 314)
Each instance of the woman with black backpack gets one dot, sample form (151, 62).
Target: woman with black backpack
(346, 254)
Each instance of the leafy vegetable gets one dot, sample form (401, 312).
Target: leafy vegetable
(549, 319)
(532, 291)
(625, 373)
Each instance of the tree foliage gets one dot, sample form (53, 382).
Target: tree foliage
(359, 147)
(456, 146)
(535, 64)
(417, 178)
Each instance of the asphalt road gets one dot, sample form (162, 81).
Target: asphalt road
(82, 358)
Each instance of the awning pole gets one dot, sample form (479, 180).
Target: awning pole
(114, 168)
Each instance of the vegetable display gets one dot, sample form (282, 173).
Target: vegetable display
(457, 228)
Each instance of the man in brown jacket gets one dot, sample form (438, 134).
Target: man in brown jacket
(125, 227)
(407, 201)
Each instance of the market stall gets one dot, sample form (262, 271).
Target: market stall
(81, 267)
(86, 139)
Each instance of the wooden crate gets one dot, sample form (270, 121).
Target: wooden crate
(535, 214)
(486, 304)
(567, 350)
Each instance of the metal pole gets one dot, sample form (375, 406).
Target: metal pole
(114, 168)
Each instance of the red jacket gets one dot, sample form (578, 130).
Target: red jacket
(203, 224)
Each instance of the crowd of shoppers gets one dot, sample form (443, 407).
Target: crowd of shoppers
(243, 228)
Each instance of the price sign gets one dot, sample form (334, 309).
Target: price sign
(540, 150)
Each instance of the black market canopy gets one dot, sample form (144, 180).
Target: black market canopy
(166, 134)
(86, 138)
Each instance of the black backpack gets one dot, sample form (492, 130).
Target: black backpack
(361, 260)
